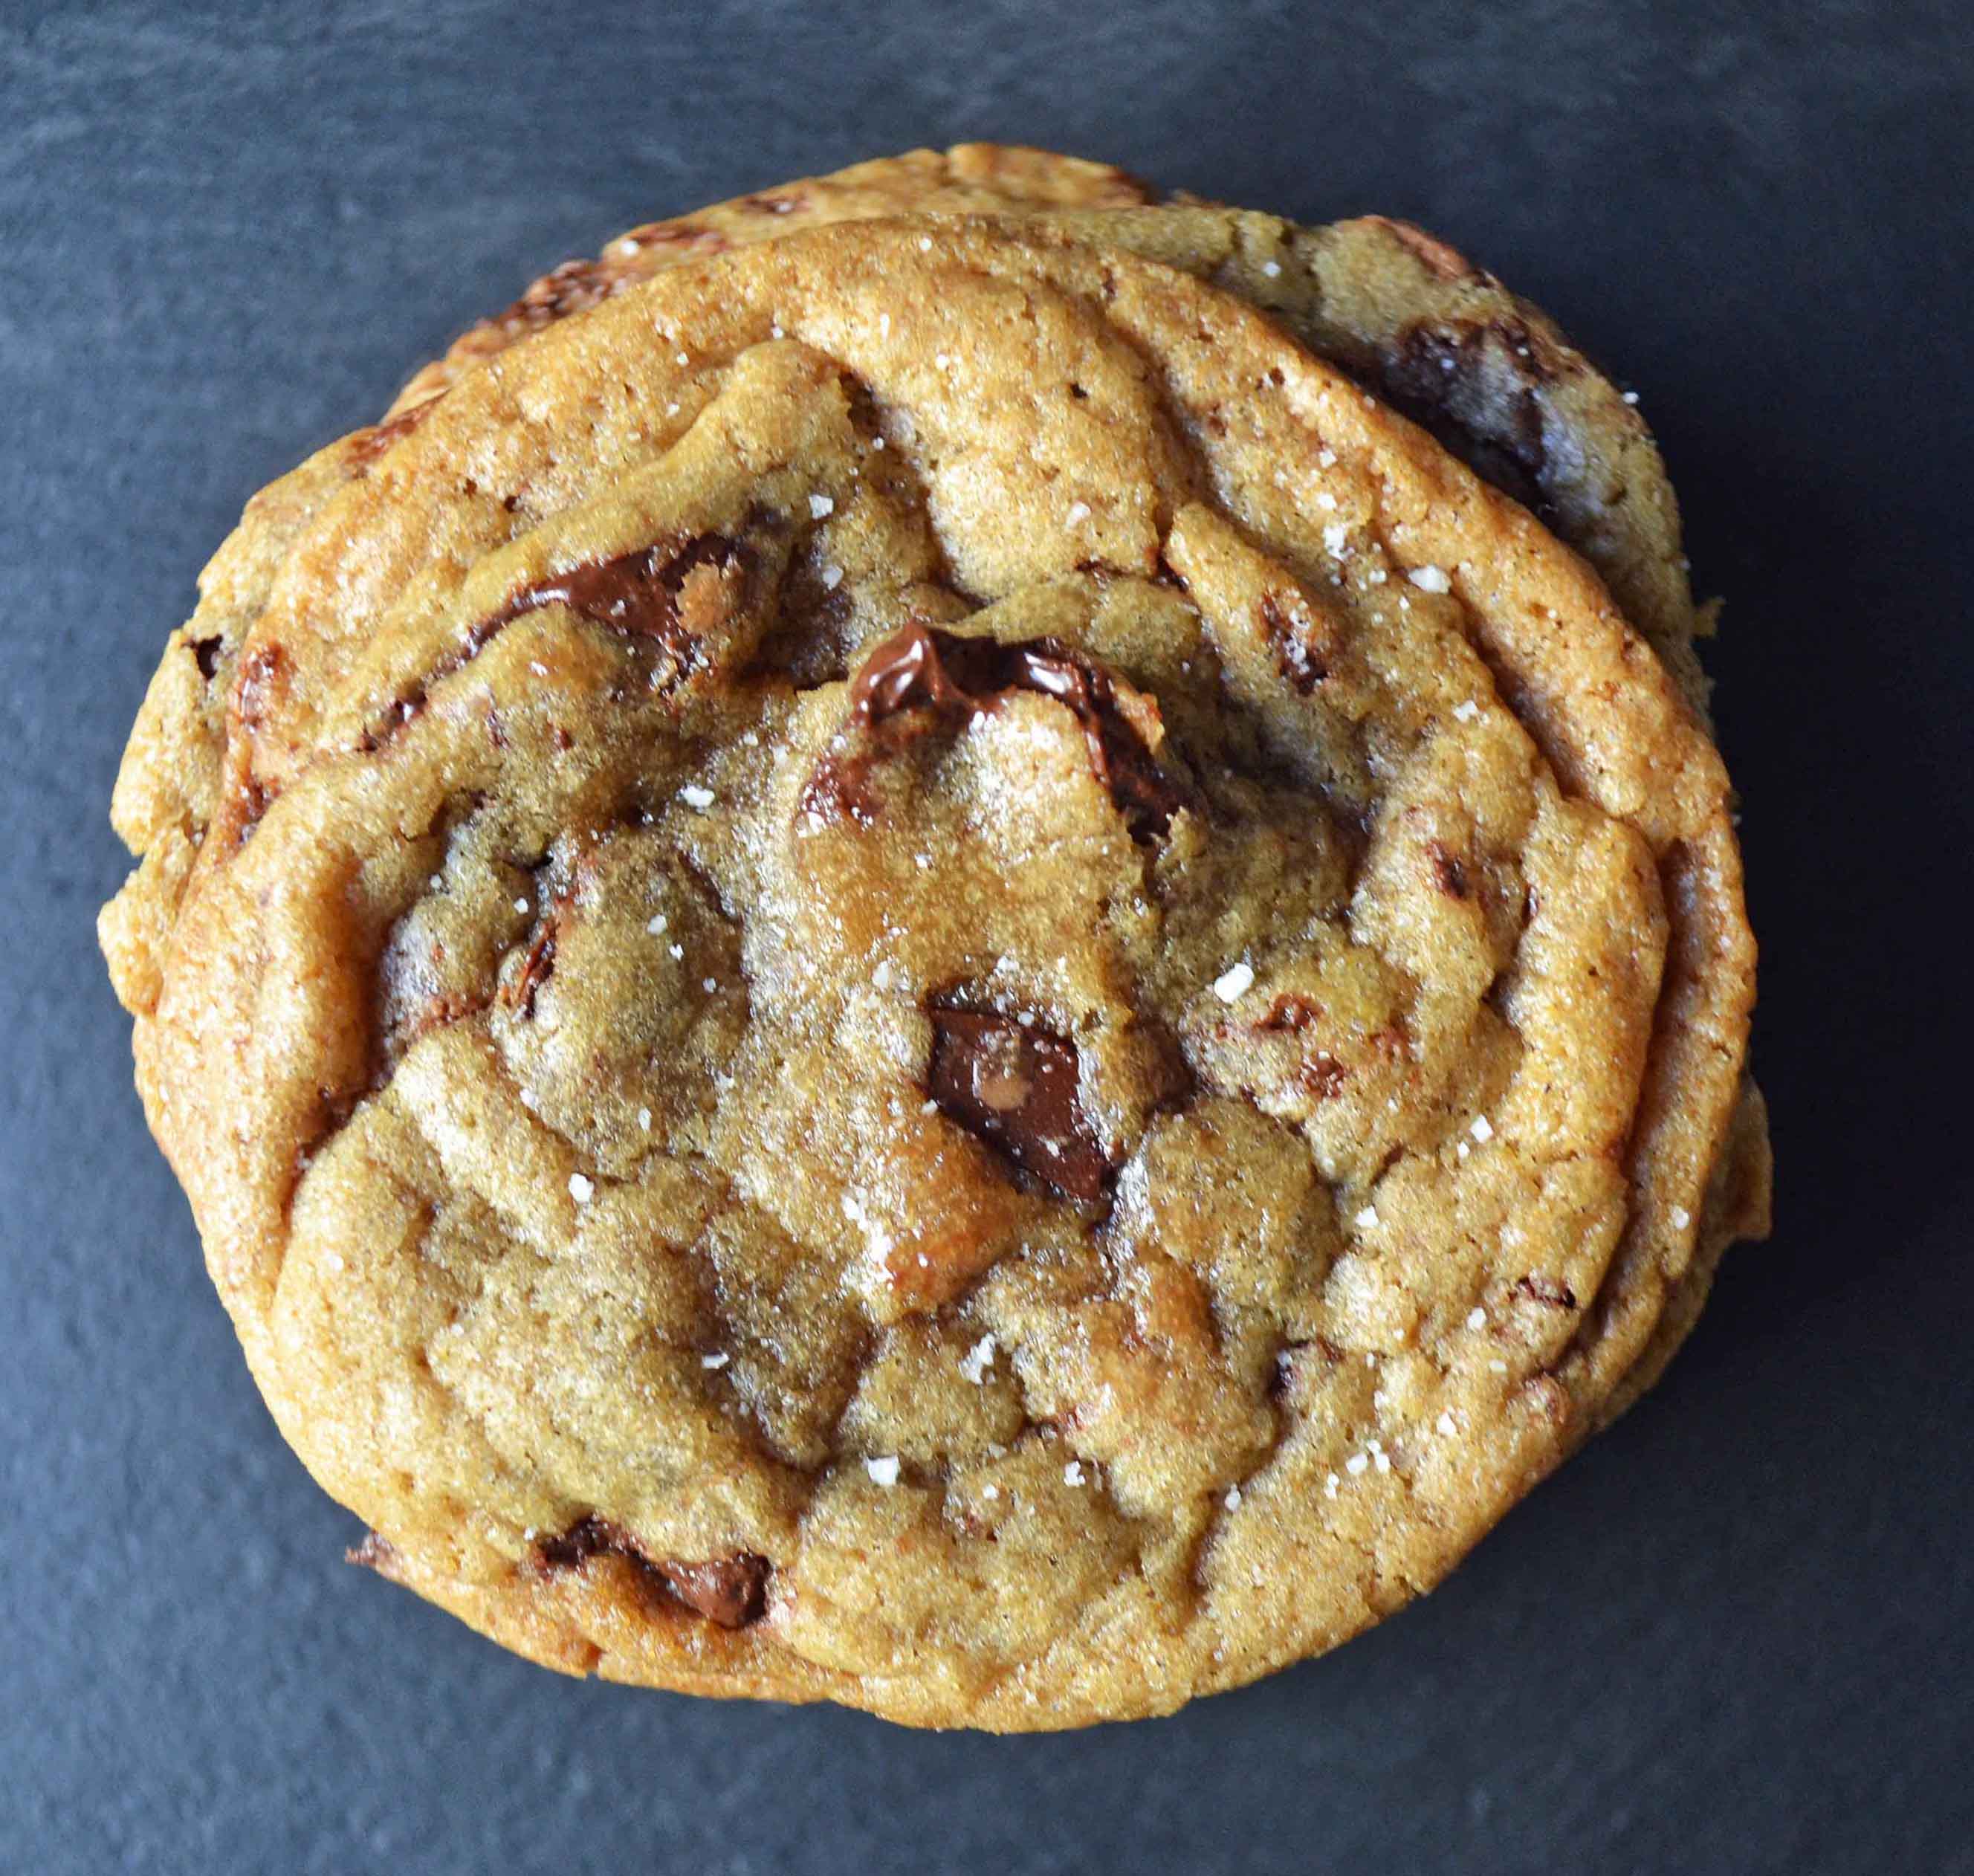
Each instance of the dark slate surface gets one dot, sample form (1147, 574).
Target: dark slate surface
(1733, 1636)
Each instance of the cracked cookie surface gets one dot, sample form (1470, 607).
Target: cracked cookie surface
(912, 969)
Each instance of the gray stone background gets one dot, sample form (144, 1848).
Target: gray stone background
(1733, 1635)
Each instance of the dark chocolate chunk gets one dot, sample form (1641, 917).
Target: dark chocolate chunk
(729, 1592)
(927, 677)
(1297, 656)
(375, 1552)
(372, 443)
(1475, 387)
(1014, 1086)
(1449, 871)
(636, 593)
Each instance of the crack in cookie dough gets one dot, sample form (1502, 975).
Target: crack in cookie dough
(955, 987)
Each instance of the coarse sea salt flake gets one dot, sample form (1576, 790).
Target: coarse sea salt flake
(1467, 712)
(719, 1360)
(1234, 982)
(1483, 1128)
(1477, 1318)
(883, 1472)
(1447, 1425)
(1430, 579)
(1366, 1219)
(1681, 1217)
(582, 1190)
(977, 1360)
(695, 796)
(655, 924)
(819, 505)
(1079, 511)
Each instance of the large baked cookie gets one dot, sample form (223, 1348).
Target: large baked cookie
(1490, 375)
(912, 969)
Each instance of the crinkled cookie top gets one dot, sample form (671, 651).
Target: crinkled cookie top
(913, 970)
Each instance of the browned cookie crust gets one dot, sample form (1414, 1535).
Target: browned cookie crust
(969, 178)
(916, 971)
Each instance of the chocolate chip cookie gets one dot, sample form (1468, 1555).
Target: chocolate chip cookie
(915, 967)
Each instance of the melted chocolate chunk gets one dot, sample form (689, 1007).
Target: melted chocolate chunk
(375, 1552)
(572, 287)
(537, 967)
(1291, 1013)
(1297, 656)
(1014, 1087)
(636, 593)
(641, 594)
(928, 677)
(372, 443)
(729, 1592)
(206, 652)
(1473, 387)
(1449, 872)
